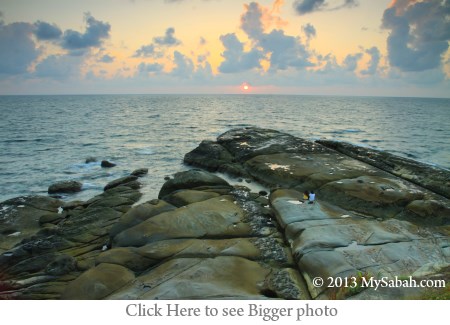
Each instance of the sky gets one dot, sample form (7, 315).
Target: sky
(308, 47)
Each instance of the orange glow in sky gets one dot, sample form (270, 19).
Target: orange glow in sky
(281, 46)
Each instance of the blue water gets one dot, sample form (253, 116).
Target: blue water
(44, 139)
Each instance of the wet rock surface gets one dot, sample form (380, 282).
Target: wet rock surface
(204, 238)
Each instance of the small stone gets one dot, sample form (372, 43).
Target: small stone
(107, 164)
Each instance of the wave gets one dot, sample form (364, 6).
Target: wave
(146, 151)
(22, 140)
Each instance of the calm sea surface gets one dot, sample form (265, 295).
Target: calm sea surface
(44, 139)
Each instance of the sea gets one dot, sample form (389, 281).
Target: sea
(45, 139)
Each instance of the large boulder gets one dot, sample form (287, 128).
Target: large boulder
(223, 277)
(65, 187)
(209, 155)
(185, 197)
(140, 213)
(20, 218)
(189, 180)
(98, 282)
(120, 181)
(217, 217)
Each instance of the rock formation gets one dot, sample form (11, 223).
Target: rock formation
(375, 216)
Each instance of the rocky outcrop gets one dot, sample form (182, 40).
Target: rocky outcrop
(47, 243)
(65, 187)
(428, 176)
(376, 215)
(204, 238)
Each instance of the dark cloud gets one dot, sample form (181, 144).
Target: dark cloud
(154, 50)
(59, 67)
(251, 21)
(202, 41)
(146, 68)
(107, 58)
(419, 34)
(306, 6)
(96, 32)
(309, 31)
(168, 39)
(236, 59)
(148, 51)
(375, 56)
(45, 31)
(18, 49)
(303, 7)
(351, 61)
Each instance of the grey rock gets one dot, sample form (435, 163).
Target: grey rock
(65, 187)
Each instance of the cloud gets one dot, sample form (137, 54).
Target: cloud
(96, 32)
(251, 20)
(236, 59)
(18, 49)
(152, 68)
(107, 58)
(375, 56)
(168, 39)
(303, 7)
(351, 61)
(284, 50)
(281, 50)
(148, 51)
(59, 67)
(309, 30)
(184, 67)
(153, 50)
(257, 18)
(45, 31)
(306, 6)
(419, 34)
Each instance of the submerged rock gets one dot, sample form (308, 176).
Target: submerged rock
(107, 164)
(90, 160)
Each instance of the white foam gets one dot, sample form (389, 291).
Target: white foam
(146, 151)
(295, 202)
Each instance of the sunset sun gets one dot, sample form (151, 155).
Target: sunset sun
(245, 87)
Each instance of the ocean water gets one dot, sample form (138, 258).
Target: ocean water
(44, 139)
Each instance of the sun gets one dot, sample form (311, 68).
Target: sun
(245, 87)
